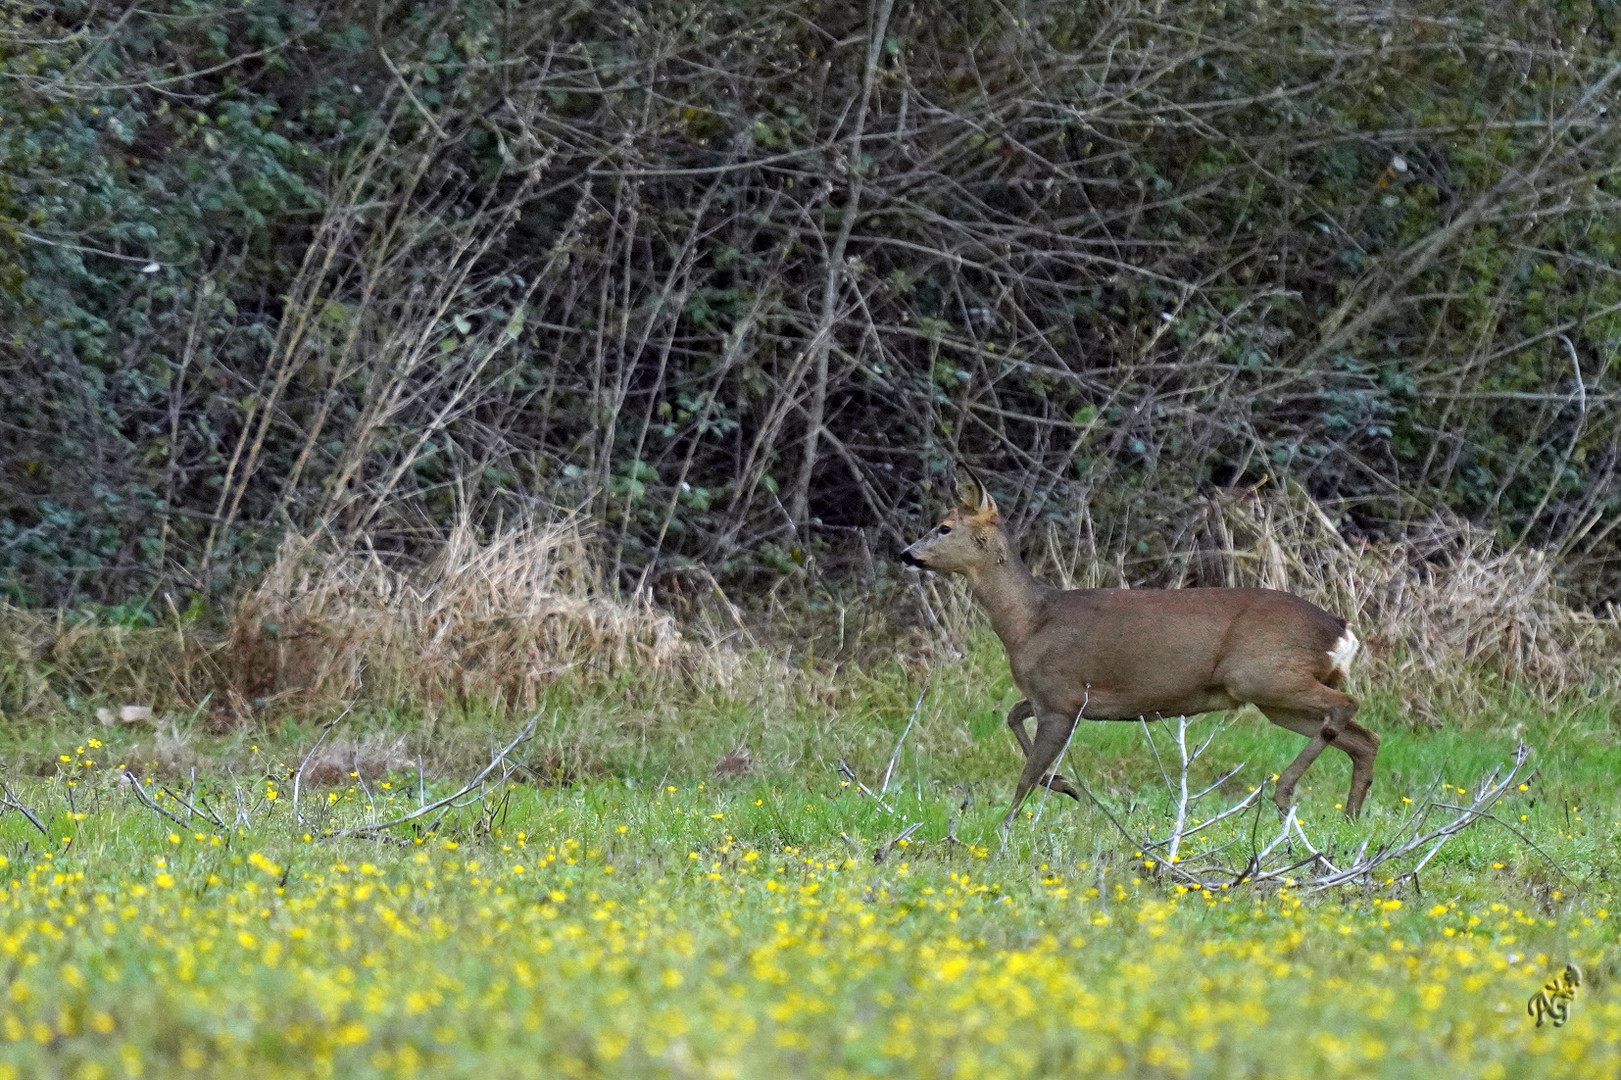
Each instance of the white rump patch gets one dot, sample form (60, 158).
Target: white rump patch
(1343, 652)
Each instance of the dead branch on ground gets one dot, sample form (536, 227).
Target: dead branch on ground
(1291, 858)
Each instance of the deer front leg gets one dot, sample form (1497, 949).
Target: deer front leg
(1016, 718)
(1052, 734)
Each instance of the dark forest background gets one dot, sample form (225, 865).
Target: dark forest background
(738, 281)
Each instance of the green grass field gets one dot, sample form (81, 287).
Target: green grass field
(650, 918)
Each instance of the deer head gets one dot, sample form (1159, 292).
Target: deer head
(967, 539)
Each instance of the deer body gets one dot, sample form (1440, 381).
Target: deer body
(1125, 654)
(1128, 653)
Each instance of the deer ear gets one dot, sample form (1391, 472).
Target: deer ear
(973, 495)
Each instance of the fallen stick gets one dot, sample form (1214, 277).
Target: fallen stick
(298, 777)
(12, 802)
(883, 789)
(883, 850)
(448, 800)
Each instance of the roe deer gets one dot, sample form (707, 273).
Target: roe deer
(1122, 654)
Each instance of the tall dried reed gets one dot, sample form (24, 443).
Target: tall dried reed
(492, 617)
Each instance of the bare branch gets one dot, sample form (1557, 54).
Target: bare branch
(448, 801)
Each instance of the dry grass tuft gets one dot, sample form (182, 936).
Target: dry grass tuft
(47, 657)
(493, 619)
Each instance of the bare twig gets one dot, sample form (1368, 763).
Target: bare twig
(298, 777)
(448, 801)
(849, 776)
(883, 789)
(11, 801)
(1149, 735)
(191, 805)
(1052, 777)
(883, 850)
(149, 802)
(371, 803)
(1237, 808)
(1182, 779)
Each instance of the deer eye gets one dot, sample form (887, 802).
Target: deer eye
(944, 529)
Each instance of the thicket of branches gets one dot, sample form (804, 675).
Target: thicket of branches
(742, 278)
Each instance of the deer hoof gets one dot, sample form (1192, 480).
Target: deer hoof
(1055, 782)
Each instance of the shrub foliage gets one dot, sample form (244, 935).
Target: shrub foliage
(743, 278)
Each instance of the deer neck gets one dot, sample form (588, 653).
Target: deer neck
(1010, 594)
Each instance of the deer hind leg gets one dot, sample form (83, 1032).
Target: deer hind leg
(1323, 715)
(1052, 735)
(1016, 718)
(1304, 724)
(1363, 746)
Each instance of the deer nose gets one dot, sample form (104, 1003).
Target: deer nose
(909, 559)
